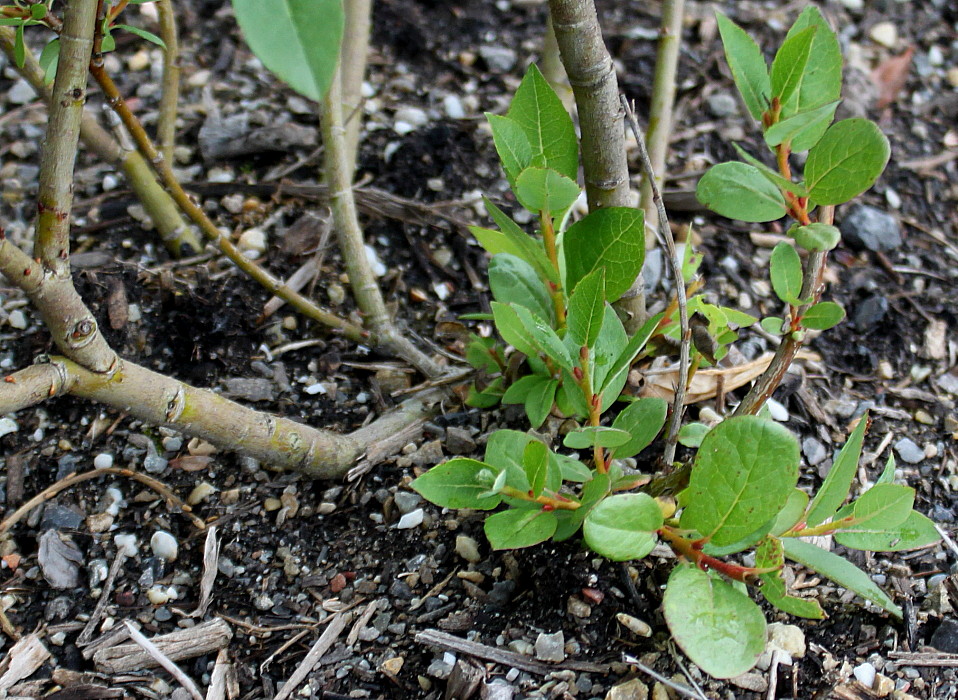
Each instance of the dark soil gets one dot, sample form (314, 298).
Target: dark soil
(295, 551)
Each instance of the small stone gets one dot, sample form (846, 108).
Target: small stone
(99, 522)
(952, 76)
(391, 380)
(459, 441)
(253, 240)
(634, 625)
(439, 668)
(393, 666)
(57, 517)
(263, 602)
(886, 34)
(550, 647)
(634, 689)
(909, 451)
(406, 501)
(17, 319)
(924, 417)
(883, 686)
(428, 455)
(578, 607)
(948, 382)
(411, 520)
(854, 5)
(755, 682)
(868, 227)
(126, 543)
(337, 583)
(777, 410)
(865, 674)
(721, 105)
(452, 106)
(522, 646)
(164, 545)
(103, 461)
(870, 313)
(788, 638)
(21, 93)
(500, 59)
(468, 549)
(7, 426)
(139, 61)
(161, 595)
(374, 262)
(199, 79)
(945, 638)
(200, 493)
(815, 452)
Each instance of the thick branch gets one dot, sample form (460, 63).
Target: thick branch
(55, 195)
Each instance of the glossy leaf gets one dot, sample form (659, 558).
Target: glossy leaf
(788, 129)
(595, 436)
(535, 461)
(514, 281)
(571, 520)
(823, 315)
(816, 237)
(740, 191)
(455, 484)
(772, 176)
(786, 273)
(643, 421)
(544, 189)
(692, 434)
(846, 162)
(839, 570)
(917, 531)
(519, 527)
(789, 64)
(570, 468)
(142, 33)
(539, 401)
(504, 451)
(747, 64)
(297, 40)
(545, 337)
(773, 325)
(717, 626)
(835, 489)
(512, 145)
(623, 526)
(548, 127)
(742, 475)
(770, 554)
(49, 60)
(612, 238)
(587, 309)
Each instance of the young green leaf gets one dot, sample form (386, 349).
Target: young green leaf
(19, 47)
(623, 526)
(298, 40)
(548, 127)
(787, 129)
(917, 531)
(816, 237)
(692, 434)
(623, 361)
(569, 398)
(612, 238)
(569, 468)
(717, 626)
(742, 475)
(642, 420)
(535, 461)
(771, 554)
(488, 396)
(49, 60)
(823, 315)
(786, 273)
(788, 66)
(504, 451)
(587, 309)
(595, 436)
(519, 527)
(839, 570)
(888, 473)
(796, 188)
(521, 245)
(544, 337)
(740, 191)
(513, 281)
(882, 505)
(544, 189)
(691, 261)
(846, 162)
(570, 521)
(512, 330)
(839, 480)
(520, 389)
(773, 325)
(512, 145)
(747, 64)
(481, 354)
(791, 513)
(142, 33)
(456, 484)
(608, 346)
(821, 81)
(539, 401)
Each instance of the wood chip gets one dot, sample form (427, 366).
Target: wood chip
(23, 659)
(182, 644)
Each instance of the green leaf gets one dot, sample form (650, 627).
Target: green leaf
(839, 570)
(488, 397)
(816, 237)
(917, 531)
(298, 40)
(521, 245)
(38, 11)
(19, 48)
(623, 361)
(888, 473)
(642, 420)
(822, 316)
(512, 145)
(520, 389)
(773, 325)
(608, 346)
(519, 527)
(791, 513)
(587, 309)
(571, 520)
(796, 188)
(744, 543)
(839, 480)
(455, 484)
(539, 402)
(788, 66)
(544, 337)
(543, 189)
(570, 468)
(569, 398)
(49, 60)
(886, 505)
(742, 475)
(504, 451)
(535, 461)
(142, 33)
(787, 129)
(846, 162)
(691, 260)
(821, 81)
(512, 330)
(595, 436)
(513, 281)
(717, 626)
(740, 191)
(623, 526)
(692, 434)
(612, 238)
(747, 64)
(481, 354)
(770, 554)
(786, 273)
(547, 125)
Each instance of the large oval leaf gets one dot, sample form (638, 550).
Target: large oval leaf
(740, 191)
(613, 238)
(548, 127)
(298, 40)
(718, 627)
(623, 526)
(514, 281)
(743, 474)
(846, 162)
(519, 527)
(458, 484)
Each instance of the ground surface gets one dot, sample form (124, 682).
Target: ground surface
(293, 551)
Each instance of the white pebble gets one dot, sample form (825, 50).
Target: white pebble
(884, 33)
(164, 545)
(441, 290)
(253, 240)
(374, 262)
(893, 199)
(114, 500)
(103, 460)
(452, 105)
(159, 595)
(7, 426)
(110, 182)
(127, 544)
(412, 115)
(411, 519)
(777, 410)
(314, 389)
(17, 319)
(865, 673)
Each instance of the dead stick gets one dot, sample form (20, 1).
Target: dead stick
(163, 661)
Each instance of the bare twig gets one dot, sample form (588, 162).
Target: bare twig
(106, 590)
(218, 679)
(684, 690)
(170, 97)
(211, 558)
(678, 403)
(315, 654)
(164, 661)
(182, 644)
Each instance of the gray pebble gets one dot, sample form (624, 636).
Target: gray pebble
(57, 517)
(815, 451)
(871, 228)
(407, 501)
(721, 104)
(550, 647)
(58, 608)
(21, 93)
(909, 451)
(945, 637)
(459, 441)
(870, 312)
(162, 614)
(500, 59)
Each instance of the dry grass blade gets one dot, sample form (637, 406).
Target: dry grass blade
(211, 557)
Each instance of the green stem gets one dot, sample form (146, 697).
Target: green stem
(170, 97)
(554, 502)
(552, 251)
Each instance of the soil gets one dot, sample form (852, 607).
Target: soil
(293, 551)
